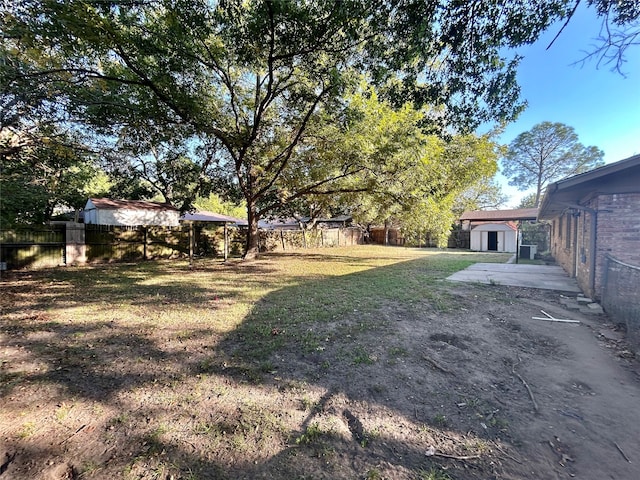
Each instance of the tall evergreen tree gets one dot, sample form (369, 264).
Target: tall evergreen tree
(547, 152)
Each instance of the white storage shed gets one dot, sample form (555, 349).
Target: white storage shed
(104, 211)
(494, 237)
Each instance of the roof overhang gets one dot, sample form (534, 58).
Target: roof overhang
(495, 226)
(618, 177)
(210, 217)
(111, 204)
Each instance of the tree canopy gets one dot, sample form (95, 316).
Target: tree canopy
(547, 152)
(399, 173)
(528, 201)
(42, 169)
(231, 90)
(619, 31)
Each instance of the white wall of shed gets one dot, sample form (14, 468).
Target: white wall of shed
(506, 240)
(132, 217)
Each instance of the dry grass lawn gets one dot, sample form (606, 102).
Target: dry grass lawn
(334, 363)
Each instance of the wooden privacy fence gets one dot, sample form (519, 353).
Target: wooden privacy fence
(274, 240)
(34, 247)
(380, 236)
(70, 243)
(119, 243)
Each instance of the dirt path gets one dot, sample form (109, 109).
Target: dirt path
(589, 422)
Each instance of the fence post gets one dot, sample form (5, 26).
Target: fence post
(75, 244)
(605, 279)
(191, 239)
(144, 242)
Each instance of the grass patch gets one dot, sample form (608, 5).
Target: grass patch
(529, 261)
(440, 420)
(27, 430)
(217, 361)
(361, 356)
(434, 473)
(62, 412)
(312, 434)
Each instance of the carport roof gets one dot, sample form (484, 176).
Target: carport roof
(204, 216)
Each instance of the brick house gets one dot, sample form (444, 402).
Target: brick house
(595, 219)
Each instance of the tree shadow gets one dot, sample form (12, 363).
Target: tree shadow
(349, 359)
(377, 352)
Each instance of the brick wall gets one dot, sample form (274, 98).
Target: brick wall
(584, 253)
(618, 234)
(564, 255)
(618, 231)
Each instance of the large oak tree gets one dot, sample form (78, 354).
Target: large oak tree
(252, 76)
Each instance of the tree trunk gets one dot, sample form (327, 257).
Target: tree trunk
(252, 246)
(538, 191)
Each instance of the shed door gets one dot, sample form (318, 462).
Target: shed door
(492, 241)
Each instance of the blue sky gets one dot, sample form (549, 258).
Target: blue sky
(602, 106)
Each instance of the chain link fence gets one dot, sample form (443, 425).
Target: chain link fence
(621, 297)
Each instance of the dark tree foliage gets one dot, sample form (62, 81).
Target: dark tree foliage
(252, 76)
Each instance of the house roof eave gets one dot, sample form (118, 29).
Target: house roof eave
(563, 193)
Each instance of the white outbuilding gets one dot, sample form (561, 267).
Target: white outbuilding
(104, 211)
(494, 237)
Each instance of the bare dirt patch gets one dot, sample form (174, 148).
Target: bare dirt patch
(459, 383)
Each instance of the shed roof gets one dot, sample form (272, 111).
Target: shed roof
(618, 177)
(500, 215)
(109, 204)
(488, 226)
(205, 216)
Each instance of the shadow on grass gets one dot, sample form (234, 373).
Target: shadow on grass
(356, 342)
(114, 284)
(367, 341)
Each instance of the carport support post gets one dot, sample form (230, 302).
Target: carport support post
(517, 241)
(191, 243)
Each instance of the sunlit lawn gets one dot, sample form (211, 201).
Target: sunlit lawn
(286, 292)
(218, 295)
(138, 349)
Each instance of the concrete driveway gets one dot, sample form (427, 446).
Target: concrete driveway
(550, 277)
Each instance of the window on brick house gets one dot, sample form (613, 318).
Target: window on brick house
(560, 227)
(568, 236)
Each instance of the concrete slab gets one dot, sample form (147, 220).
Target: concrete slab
(548, 277)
